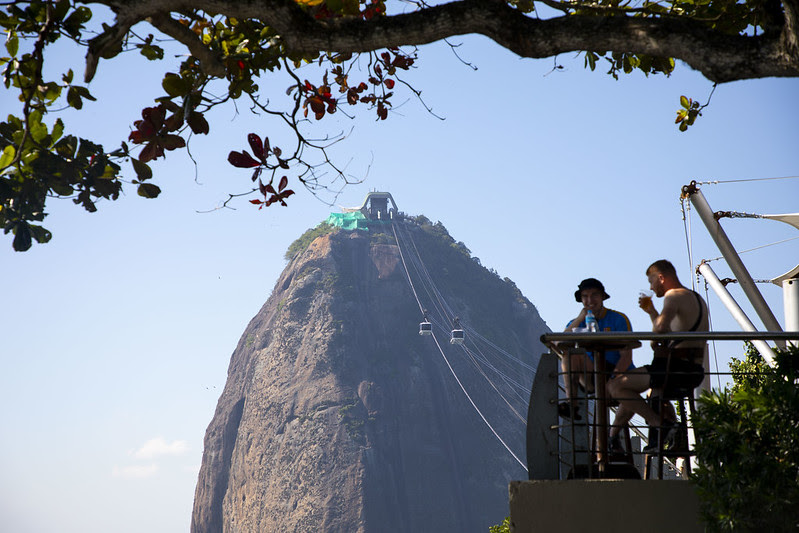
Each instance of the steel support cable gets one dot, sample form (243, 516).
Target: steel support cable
(493, 386)
(512, 384)
(471, 331)
(416, 260)
(452, 371)
(426, 286)
(501, 351)
(475, 406)
(486, 360)
(716, 182)
(755, 248)
(442, 301)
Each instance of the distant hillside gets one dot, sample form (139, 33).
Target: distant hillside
(337, 416)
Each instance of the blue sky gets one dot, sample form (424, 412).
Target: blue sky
(115, 337)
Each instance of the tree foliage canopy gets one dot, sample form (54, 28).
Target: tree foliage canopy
(241, 43)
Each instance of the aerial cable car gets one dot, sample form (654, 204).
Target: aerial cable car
(457, 332)
(425, 327)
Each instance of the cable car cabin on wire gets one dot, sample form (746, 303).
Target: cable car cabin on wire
(425, 328)
(457, 332)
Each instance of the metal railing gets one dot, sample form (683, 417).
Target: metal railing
(572, 444)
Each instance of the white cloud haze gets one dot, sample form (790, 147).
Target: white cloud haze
(135, 471)
(158, 446)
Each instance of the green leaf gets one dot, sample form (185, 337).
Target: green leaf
(152, 52)
(174, 85)
(143, 171)
(74, 99)
(148, 190)
(12, 43)
(8, 156)
(685, 102)
(22, 237)
(58, 130)
(41, 234)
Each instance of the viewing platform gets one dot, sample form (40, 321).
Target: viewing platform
(574, 484)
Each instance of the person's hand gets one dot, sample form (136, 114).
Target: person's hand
(645, 303)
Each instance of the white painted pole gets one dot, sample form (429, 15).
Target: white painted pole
(731, 256)
(790, 299)
(735, 310)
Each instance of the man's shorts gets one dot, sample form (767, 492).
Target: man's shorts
(682, 374)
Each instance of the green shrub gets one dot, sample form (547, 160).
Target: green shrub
(301, 244)
(748, 448)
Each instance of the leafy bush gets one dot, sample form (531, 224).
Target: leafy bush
(504, 527)
(748, 447)
(301, 244)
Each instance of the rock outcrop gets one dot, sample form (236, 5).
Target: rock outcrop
(338, 417)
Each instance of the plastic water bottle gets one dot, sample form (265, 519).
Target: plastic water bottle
(590, 322)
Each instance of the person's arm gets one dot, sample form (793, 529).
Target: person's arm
(625, 360)
(649, 308)
(577, 321)
(662, 323)
(626, 355)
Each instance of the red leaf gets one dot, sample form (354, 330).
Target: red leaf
(270, 189)
(256, 145)
(241, 64)
(317, 106)
(242, 160)
(256, 202)
(283, 182)
(151, 151)
(389, 84)
(197, 123)
(172, 142)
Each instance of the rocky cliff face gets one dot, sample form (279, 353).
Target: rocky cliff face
(338, 417)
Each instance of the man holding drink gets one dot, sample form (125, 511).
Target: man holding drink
(683, 310)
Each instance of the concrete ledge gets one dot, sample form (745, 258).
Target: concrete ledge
(615, 505)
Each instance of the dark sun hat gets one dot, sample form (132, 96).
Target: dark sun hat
(590, 283)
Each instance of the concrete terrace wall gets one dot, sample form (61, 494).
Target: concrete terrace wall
(579, 506)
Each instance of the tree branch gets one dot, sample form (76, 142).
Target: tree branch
(720, 57)
(211, 64)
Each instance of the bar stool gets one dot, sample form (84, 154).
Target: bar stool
(681, 395)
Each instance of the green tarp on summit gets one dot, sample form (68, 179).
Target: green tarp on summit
(349, 221)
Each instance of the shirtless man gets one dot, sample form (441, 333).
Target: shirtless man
(683, 310)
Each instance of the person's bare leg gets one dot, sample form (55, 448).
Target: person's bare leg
(627, 390)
